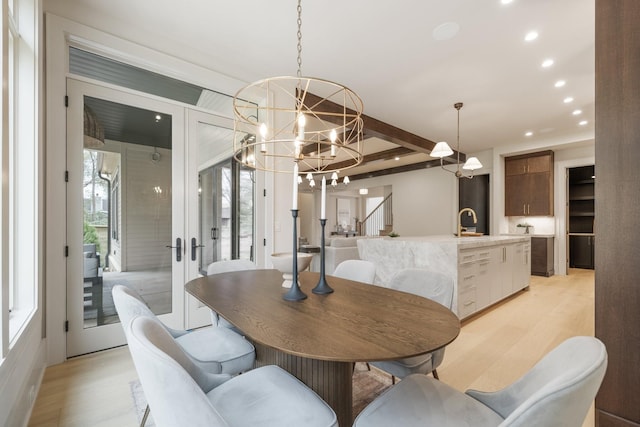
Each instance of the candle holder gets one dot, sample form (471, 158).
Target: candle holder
(322, 287)
(295, 293)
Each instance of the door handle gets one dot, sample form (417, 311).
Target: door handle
(178, 248)
(214, 233)
(194, 246)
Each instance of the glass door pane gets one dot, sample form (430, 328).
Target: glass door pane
(123, 225)
(246, 214)
(215, 214)
(223, 224)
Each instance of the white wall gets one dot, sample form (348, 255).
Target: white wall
(424, 201)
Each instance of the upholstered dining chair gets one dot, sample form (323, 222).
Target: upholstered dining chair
(356, 269)
(226, 266)
(182, 394)
(429, 284)
(215, 350)
(557, 391)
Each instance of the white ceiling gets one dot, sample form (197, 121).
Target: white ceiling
(386, 52)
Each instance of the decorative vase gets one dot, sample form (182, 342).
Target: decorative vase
(283, 261)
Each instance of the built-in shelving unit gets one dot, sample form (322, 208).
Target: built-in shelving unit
(581, 216)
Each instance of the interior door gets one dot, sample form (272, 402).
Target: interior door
(125, 210)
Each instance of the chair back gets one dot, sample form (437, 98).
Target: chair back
(172, 383)
(559, 389)
(425, 283)
(356, 269)
(129, 304)
(230, 265)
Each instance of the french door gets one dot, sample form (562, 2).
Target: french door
(126, 210)
(222, 226)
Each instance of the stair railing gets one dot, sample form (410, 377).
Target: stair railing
(379, 220)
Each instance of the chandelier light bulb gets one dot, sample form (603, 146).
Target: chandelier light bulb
(302, 121)
(332, 137)
(263, 136)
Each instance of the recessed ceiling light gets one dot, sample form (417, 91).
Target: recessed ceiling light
(158, 117)
(567, 100)
(531, 36)
(506, 1)
(396, 158)
(576, 112)
(584, 122)
(559, 83)
(529, 133)
(547, 63)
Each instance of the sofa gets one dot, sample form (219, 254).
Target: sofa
(338, 249)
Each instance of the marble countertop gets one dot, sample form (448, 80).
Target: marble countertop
(531, 235)
(466, 242)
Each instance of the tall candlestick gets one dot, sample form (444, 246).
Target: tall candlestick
(295, 186)
(323, 199)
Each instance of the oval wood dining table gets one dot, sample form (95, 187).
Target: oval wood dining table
(318, 339)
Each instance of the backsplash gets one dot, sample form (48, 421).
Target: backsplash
(541, 224)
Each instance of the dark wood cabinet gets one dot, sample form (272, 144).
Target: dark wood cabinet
(529, 184)
(581, 250)
(542, 256)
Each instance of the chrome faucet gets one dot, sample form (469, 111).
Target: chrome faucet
(475, 218)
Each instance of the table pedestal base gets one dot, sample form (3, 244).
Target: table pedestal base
(332, 381)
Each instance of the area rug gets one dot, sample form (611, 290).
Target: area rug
(367, 385)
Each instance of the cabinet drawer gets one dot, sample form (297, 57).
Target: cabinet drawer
(467, 257)
(466, 276)
(467, 302)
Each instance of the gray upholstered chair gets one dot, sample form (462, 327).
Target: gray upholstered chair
(226, 266)
(356, 269)
(215, 350)
(429, 284)
(181, 394)
(557, 391)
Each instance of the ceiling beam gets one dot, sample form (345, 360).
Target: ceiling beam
(380, 155)
(398, 169)
(376, 128)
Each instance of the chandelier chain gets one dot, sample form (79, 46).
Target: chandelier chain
(299, 38)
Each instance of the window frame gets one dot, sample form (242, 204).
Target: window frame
(20, 266)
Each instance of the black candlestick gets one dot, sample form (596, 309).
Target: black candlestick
(295, 294)
(322, 287)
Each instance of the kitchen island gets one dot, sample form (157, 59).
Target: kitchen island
(484, 269)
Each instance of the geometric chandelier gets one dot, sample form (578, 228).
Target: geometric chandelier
(442, 149)
(312, 122)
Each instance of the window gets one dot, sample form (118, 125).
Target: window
(19, 268)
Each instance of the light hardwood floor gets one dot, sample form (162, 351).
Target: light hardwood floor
(493, 349)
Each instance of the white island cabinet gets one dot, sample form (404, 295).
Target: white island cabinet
(484, 269)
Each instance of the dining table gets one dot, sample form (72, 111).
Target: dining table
(319, 339)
